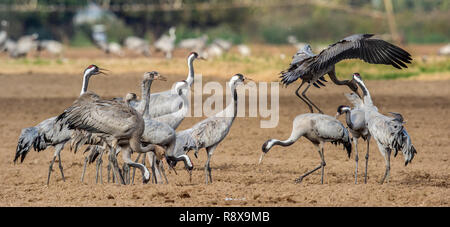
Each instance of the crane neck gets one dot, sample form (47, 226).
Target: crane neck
(232, 107)
(366, 94)
(283, 143)
(84, 87)
(190, 78)
(335, 80)
(348, 119)
(143, 107)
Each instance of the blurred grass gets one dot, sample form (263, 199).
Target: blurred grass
(265, 64)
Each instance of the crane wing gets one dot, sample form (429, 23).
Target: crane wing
(374, 51)
(100, 116)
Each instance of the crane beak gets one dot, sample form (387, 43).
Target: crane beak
(161, 77)
(246, 79)
(102, 71)
(337, 115)
(261, 158)
(201, 58)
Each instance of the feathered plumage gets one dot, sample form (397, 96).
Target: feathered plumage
(311, 68)
(388, 132)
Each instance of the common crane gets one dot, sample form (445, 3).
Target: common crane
(166, 43)
(166, 102)
(117, 122)
(388, 132)
(317, 128)
(209, 132)
(311, 68)
(355, 119)
(48, 133)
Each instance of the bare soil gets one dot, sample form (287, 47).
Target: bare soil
(27, 99)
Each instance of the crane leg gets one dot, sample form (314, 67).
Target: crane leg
(50, 169)
(367, 159)
(126, 156)
(115, 167)
(98, 169)
(134, 169)
(161, 168)
(58, 149)
(321, 165)
(298, 95)
(310, 102)
(209, 152)
(84, 168)
(355, 141)
(387, 157)
(60, 166)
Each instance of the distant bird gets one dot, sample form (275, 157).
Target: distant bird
(311, 68)
(213, 50)
(224, 44)
(8, 46)
(52, 46)
(388, 132)
(209, 132)
(138, 45)
(244, 50)
(166, 43)
(114, 48)
(194, 44)
(24, 45)
(355, 119)
(50, 132)
(100, 39)
(293, 41)
(445, 50)
(317, 128)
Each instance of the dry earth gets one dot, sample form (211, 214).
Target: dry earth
(27, 99)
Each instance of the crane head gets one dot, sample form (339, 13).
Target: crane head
(153, 75)
(94, 70)
(195, 55)
(342, 109)
(265, 148)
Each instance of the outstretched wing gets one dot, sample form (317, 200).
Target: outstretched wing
(374, 51)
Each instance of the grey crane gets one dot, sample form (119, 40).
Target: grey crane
(155, 132)
(48, 133)
(355, 119)
(388, 132)
(194, 44)
(52, 46)
(317, 128)
(209, 132)
(167, 102)
(119, 124)
(173, 120)
(311, 68)
(137, 45)
(166, 43)
(23, 46)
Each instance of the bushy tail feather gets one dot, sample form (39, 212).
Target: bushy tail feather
(27, 139)
(402, 142)
(348, 147)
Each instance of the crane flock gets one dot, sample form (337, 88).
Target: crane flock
(148, 126)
